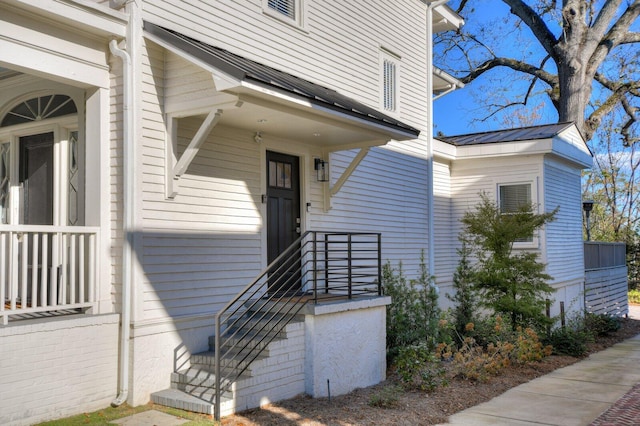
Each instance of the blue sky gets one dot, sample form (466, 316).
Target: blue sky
(459, 112)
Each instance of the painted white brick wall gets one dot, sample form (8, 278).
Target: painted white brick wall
(57, 367)
(360, 363)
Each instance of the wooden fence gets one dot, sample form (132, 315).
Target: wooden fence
(605, 287)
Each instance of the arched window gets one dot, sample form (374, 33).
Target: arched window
(40, 108)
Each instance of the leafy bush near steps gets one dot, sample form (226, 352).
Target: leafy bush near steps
(634, 296)
(419, 368)
(413, 315)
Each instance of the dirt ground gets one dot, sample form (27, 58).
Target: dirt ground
(412, 408)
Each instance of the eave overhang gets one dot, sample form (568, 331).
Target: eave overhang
(560, 140)
(267, 89)
(88, 16)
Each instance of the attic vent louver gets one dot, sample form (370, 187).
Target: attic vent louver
(286, 7)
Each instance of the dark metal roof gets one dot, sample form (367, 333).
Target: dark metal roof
(245, 69)
(545, 131)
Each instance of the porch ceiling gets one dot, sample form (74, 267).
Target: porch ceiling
(279, 104)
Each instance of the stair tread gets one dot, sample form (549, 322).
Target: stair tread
(185, 401)
(199, 374)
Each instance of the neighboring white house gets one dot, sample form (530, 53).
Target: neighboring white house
(157, 157)
(540, 165)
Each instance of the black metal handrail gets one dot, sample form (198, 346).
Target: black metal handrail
(318, 266)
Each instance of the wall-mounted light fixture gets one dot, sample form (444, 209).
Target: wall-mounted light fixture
(587, 206)
(322, 169)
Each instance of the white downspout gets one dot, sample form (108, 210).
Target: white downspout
(430, 195)
(127, 154)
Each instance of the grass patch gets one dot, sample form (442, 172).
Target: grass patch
(107, 415)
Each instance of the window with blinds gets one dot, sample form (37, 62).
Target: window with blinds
(513, 197)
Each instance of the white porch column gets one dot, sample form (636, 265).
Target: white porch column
(97, 190)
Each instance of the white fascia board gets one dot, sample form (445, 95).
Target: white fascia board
(90, 16)
(444, 150)
(304, 103)
(504, 149)
(447, 77)
(34, 60)
(553, 146)
(445, 19)
(572, 153)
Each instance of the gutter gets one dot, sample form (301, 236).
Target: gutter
(127, 240)
(430, 194)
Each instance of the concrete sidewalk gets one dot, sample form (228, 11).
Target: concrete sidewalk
(571, 396)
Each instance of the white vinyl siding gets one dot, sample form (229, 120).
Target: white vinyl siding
(387, 194)
(473, 177)
(335, 50)
(201, 248)
(565, 250)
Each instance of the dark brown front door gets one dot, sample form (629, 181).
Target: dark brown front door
(36, 176)
(283, 219)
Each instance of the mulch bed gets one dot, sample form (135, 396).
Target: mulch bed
(419, 408)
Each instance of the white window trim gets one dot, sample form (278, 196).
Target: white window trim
(535, 241)
(299, 21)
(388, 55)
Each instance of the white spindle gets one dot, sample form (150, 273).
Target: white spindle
(81, 264)
(92, 267)
(62, 273)
(72, 268)
(44, 279)
(24, 270)
(55, 282)
(34, 270)
(13, 273)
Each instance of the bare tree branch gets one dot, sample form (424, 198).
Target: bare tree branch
(515, 65)
(629, 38)
(613, 37)
(539, 28)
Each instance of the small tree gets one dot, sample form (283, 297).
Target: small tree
(465, 298)
(510, 283)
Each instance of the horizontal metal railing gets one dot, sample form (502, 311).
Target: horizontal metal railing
(46, 269)
(318, 266)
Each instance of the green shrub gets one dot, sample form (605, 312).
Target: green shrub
(634, 296)
(413, 315)
(510, 282)
(601, 324)
(387, 397)
(419, 368)
(465, 297)
(569, 341)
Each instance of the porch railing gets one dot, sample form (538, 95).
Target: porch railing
(318, 266)
(46, 269)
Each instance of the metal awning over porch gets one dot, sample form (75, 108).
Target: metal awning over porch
(285, 105)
